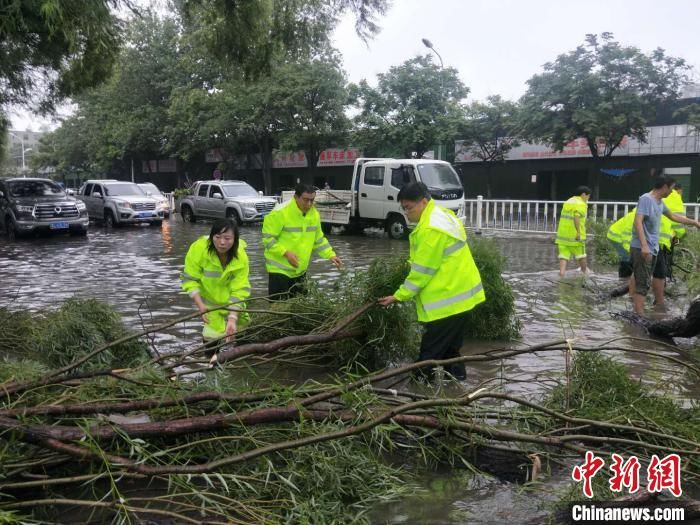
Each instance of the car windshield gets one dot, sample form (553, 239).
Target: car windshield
(239, 190)
(125, 189)
(34, 188)
(438, 176)
(148, 187)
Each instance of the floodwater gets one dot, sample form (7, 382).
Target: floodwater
(137, 270)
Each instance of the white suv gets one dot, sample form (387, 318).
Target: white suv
(119, 202)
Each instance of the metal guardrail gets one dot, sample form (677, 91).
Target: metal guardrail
(540, 216)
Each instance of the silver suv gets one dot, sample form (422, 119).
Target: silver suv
(233, 199)
(119, 202)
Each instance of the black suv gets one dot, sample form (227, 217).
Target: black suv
(30, 205)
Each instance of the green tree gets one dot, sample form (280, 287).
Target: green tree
(124, 118)
(489, 131)
(52, 49)
(311, 98)
(415, 106)
(602, 91)
(257, 33)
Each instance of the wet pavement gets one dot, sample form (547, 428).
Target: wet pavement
(137, 270)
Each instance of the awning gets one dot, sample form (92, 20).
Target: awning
(617, 172)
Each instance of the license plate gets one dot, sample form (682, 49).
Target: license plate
(58, 225)
(146, 214)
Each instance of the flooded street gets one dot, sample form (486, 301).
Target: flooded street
(137, 270)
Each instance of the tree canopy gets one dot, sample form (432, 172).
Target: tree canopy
(489, 128)
(50, 50)
(601, 91)
(415, 106)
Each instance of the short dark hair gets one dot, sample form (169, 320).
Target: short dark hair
(663, 180)
(304, 188)
(677, 186)
(414, 191)
(583, 189)
(221, 226)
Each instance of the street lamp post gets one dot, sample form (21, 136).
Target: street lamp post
(427, 43)
(21, 139)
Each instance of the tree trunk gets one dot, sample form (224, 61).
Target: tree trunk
(266, 160)
(594, 177)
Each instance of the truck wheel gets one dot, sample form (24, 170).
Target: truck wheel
(396, 227)
(110, 221)
(233, 215)
(187, 215)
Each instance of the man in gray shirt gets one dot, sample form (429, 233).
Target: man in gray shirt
(645, 241)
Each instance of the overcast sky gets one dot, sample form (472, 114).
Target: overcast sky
(496, 45)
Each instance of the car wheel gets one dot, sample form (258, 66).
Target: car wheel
(396, 227)
(109, 219)
(11, 229)
(187, 215)
(233, 215)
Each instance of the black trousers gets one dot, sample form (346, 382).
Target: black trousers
(280, 287)
(442, 340)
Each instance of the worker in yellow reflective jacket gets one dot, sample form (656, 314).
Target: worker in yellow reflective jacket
(620, 236)
(443, 279)
(216, 275)
(675, 203)
(291, 235)
(571, 232)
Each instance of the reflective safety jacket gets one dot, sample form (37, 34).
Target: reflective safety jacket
(566, 231)
(287, 229)
(620, 231)
(444, 279)
(674, 202)
(217, 286)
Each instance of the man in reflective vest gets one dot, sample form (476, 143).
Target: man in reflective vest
(443, 279)
(291, 235)
(675, 203)
(571, 232)
(620, 236)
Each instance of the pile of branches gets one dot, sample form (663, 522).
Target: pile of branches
(230, 446)
(121, 430)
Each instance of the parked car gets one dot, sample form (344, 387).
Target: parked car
(233, 199)
(151, 190)
(118, 202)
(31, 205)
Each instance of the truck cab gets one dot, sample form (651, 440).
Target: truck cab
(372, 200)
(376, 184)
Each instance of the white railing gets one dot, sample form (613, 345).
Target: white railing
(540, 216)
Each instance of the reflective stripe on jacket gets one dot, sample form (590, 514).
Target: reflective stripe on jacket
(443, 279)
(674, 202)
(620, 232)
(566, 231)
(287, 229)
(217, 286)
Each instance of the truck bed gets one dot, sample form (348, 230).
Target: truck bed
(334, 206)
